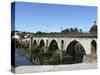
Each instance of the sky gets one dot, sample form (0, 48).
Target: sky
(33, 17)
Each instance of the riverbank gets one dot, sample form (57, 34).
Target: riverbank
(49, 68)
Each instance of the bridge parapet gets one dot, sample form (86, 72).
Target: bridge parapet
(52, 35)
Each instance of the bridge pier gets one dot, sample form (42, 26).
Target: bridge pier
(61, 55)
(30, 49)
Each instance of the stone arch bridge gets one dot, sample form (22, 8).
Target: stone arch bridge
(63, 43)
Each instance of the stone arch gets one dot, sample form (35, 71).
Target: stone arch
(53, 45)
(62, 44)
(75, 52)
(42, 43)
(93, 46)
(34, 43)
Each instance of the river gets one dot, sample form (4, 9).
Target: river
(20, 59)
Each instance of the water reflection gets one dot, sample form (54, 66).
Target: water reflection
(20, 59)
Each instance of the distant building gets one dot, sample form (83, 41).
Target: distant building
(16, 35)
(20, 36)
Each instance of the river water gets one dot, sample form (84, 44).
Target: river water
(20, 59)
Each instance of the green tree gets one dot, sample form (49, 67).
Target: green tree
(79, 49)
(39, 33)
(17, 43)
(75, 31)
(65, 31)
(81, 31)
(93, 29)
(71, 30)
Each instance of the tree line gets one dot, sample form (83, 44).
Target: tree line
(73, 31)
(67, 31)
